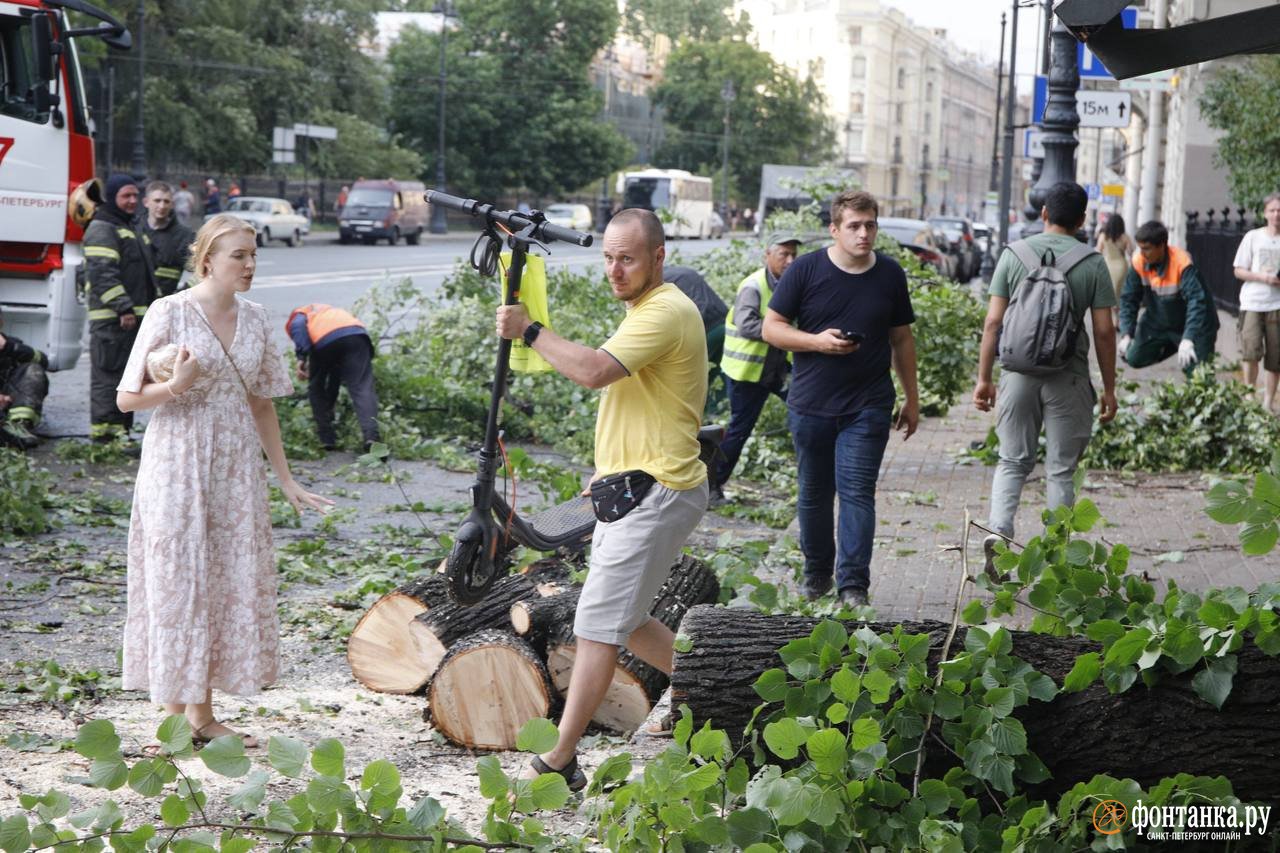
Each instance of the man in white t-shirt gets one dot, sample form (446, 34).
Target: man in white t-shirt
(1256, 265)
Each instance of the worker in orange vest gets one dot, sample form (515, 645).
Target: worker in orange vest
(334, 349)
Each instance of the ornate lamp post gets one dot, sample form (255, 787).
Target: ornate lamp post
(989, 257)
(138, 163)
(439, 221)
(1060, 121)
(1011, 104)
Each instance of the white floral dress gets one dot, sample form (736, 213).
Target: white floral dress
(202, 575)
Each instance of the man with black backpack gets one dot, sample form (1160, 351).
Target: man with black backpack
(1040, 292)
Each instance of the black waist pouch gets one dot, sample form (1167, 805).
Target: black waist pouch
(614, 496)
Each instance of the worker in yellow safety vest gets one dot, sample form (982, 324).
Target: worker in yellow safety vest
(753, 370)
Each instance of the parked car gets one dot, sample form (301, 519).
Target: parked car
(982, 237)
(959, 232)
(384, 210)
(928, 243)
(715, 225)
(575, 216)
(272, 218)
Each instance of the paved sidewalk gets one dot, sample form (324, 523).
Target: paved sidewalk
(927, 484)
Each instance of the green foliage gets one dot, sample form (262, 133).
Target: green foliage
(695, 20)
(1257, 512)
(518, 72)
(53, 682)
(1243, 101)
(769, 96)
(25, 493)
(1204, 423)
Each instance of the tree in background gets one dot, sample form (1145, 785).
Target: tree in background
(220, 75)
(696, 20)
(521, 111)
(1244, 102)
(774, 118)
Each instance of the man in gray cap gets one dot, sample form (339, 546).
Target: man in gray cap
(752, 369)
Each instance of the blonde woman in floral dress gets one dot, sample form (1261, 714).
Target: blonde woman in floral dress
(202, 574)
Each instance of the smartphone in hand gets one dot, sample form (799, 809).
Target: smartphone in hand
(853, 337)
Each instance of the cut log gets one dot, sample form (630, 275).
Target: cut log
(1145, 733)
(636, 685)
(380, 643)
(542, 617)
(486, 688)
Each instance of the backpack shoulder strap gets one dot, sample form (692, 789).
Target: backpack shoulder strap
(1073, 256)
(1026, 255)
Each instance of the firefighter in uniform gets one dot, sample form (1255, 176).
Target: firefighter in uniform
(121, 285)
(23, 386)
(753, 370)
(1177, 313)
(333, 348)
(170, 239)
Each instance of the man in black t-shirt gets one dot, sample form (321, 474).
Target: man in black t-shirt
(846, 314)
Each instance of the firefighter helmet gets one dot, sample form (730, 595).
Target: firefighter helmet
(83, 201)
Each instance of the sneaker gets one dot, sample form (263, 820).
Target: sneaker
(715, 497)
(853, 597)
(815, 588)
(17, 433)
(989, 558)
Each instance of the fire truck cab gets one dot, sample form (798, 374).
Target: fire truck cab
(46, 153)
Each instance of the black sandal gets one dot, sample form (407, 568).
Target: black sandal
(571, 773)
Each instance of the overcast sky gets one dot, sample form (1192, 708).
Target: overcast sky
(975, 25)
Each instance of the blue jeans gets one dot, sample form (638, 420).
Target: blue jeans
(746, 401)
(839, 455)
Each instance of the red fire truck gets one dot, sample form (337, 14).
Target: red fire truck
(46, 170)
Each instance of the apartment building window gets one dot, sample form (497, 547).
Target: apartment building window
(928, 91)
(897, 150)
(855, 35)
(853, 144)
(857, 104)
(897, 113)
(928, 122)
(859, 67)
(902, 78)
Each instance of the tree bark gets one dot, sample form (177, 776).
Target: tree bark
(486, 688)
(1145, 733)
(542, 617)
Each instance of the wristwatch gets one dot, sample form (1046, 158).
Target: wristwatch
(531, 333)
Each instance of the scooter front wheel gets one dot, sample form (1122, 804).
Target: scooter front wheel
(469, 570)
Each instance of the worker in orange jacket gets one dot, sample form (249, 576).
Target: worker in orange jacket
(334, 349)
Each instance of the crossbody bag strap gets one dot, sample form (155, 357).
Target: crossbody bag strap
(205, 320)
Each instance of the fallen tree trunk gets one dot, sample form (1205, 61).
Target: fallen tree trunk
(380, 641)
(487, 686)
(1145, 733)
(542, 617)
(636, 685)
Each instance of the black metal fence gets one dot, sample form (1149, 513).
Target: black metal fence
(1212, 242)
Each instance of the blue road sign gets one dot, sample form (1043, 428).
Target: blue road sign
(1094, 190)
(1090, 65)
(1039, 97)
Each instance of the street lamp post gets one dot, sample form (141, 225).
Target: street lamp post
(1032, 210)
(727, 94)
(988, 257)
(1006, 168)
(603, 207)
(1060, 117)
(138, 164)
(439, 220)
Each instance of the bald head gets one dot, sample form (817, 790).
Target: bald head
(648, 223)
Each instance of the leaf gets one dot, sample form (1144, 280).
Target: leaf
(1079, 552)
(935, 795)
(1126, 650)
(147, 777)
(174, 735)
(878, 685)
(771, 686)
(1182, 643)
(709, 743)
(329, 758)
(826, 748)
(98, 739)
(173, 811)
(236, 845)
(866, 731)
(784, 737)
(326, 795)
(15, 835)
(287, 755)
(248, 797)
(1170, 557)
(683, 643)
(1009, 736)
(1084, 516)
(1213, 683)
(1105, 631)
(845, 685)
(1259, 539)
(1086, 670)
(493, 782)
(1000, 700)
(827, 807)
(537, 736)
(225, 756)
(108, 773)
(974, 613)
(1228, 502)
(549, 791)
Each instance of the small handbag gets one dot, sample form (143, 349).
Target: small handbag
(161, 363)
(614, 496)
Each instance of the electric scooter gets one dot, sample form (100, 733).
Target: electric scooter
(492, 528)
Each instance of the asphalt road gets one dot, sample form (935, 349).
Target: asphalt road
(323, 270)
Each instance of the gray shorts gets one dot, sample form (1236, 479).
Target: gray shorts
(630, 560)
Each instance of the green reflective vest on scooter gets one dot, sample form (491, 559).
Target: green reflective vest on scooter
(743, 359)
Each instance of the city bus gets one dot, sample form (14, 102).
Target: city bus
(681, 200)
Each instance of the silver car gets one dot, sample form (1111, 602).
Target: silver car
(272, 218)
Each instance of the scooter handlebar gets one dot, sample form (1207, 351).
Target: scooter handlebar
(543, 230)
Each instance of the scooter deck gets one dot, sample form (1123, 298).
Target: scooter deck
(564, 519)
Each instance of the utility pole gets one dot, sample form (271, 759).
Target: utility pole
(988, 257)
(603, 206)
(1155, 132)
(138, 165)
(439, 221)
(727, 94)
(1006, 168)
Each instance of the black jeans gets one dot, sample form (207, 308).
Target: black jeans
(347, 362)
(109, 348)
(746, 402)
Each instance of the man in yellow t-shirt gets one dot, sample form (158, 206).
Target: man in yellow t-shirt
(653, 376)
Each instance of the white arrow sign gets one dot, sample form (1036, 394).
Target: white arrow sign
(1104, 109)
